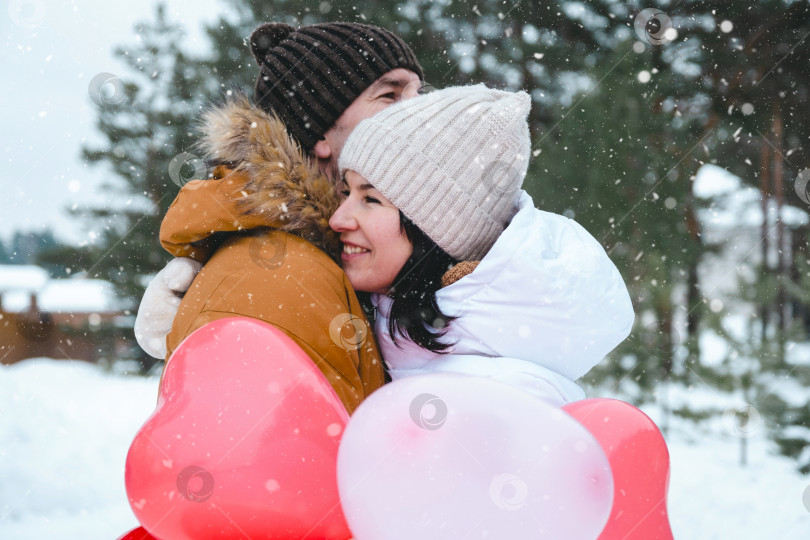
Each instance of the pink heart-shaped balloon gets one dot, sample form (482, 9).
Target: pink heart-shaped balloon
(243, 441)
(640, 463)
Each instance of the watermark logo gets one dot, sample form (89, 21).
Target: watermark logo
(502, 177)
(348, 331)
(806, 498)
(428, 411)
(27, 14)
(185, 167)
(653, 26)
(508, 492)
(426, 88)
(107, 90)
(195, 484)
(743, 422)
(36, 326)
(268, 252)
(800, 185)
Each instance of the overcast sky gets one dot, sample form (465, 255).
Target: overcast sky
(50, 52)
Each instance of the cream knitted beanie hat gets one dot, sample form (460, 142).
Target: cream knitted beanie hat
(452, 161)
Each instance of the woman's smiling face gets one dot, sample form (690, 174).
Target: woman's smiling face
(375, 247)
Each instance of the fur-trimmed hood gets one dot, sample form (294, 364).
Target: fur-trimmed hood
(261, 179)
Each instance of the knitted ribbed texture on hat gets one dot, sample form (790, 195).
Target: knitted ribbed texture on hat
(452, 161)
(309, 76)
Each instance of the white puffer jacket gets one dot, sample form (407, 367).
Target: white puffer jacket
(543, 307)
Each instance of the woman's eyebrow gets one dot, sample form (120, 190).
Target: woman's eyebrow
(361, 187)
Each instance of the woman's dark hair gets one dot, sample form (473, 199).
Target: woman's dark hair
(414, 312)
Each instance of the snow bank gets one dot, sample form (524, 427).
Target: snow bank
(736, 204)
(78, 295)
(65, 428)
(24, 277)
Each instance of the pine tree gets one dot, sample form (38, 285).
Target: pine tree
(147, 119)
(781, 389)
(616, 164)
(755, 73)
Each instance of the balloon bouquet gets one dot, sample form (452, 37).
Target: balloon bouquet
(242, 447)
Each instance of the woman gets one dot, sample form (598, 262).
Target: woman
(465, 274)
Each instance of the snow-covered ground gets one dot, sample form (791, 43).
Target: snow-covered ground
(65, 428)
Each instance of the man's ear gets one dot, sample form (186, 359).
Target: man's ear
(322, 150)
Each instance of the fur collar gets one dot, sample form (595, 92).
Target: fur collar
(284, 186)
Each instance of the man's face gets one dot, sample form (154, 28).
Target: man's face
(391, 88)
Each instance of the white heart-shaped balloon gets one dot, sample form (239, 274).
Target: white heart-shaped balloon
(448, 456)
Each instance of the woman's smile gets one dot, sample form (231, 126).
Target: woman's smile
(352, 251)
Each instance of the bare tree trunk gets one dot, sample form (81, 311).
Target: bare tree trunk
(669, 340)
(764, 183)
(693, 297)
(693, 317)
(779, 195)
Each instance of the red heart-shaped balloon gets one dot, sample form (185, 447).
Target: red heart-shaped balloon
(137, 534)
(243, 441)
(639, 460)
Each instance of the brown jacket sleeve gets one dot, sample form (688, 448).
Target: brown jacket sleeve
(201, 212)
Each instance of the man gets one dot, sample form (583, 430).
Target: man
(272, 209)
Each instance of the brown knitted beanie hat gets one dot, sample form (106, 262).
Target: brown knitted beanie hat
(309, 76)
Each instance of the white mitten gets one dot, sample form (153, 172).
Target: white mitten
(160, 303)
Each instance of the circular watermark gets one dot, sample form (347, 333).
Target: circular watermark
(503, 177)
(27, 14)
(428, 411)
(185, 167)
(426, 88)
(806, 498)
(508, 492)
(653, 26)
(800, 185)
(743, 422)
(268, 252)
(348, 331)
(195, 484)
(107, 90)
(36, 326)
